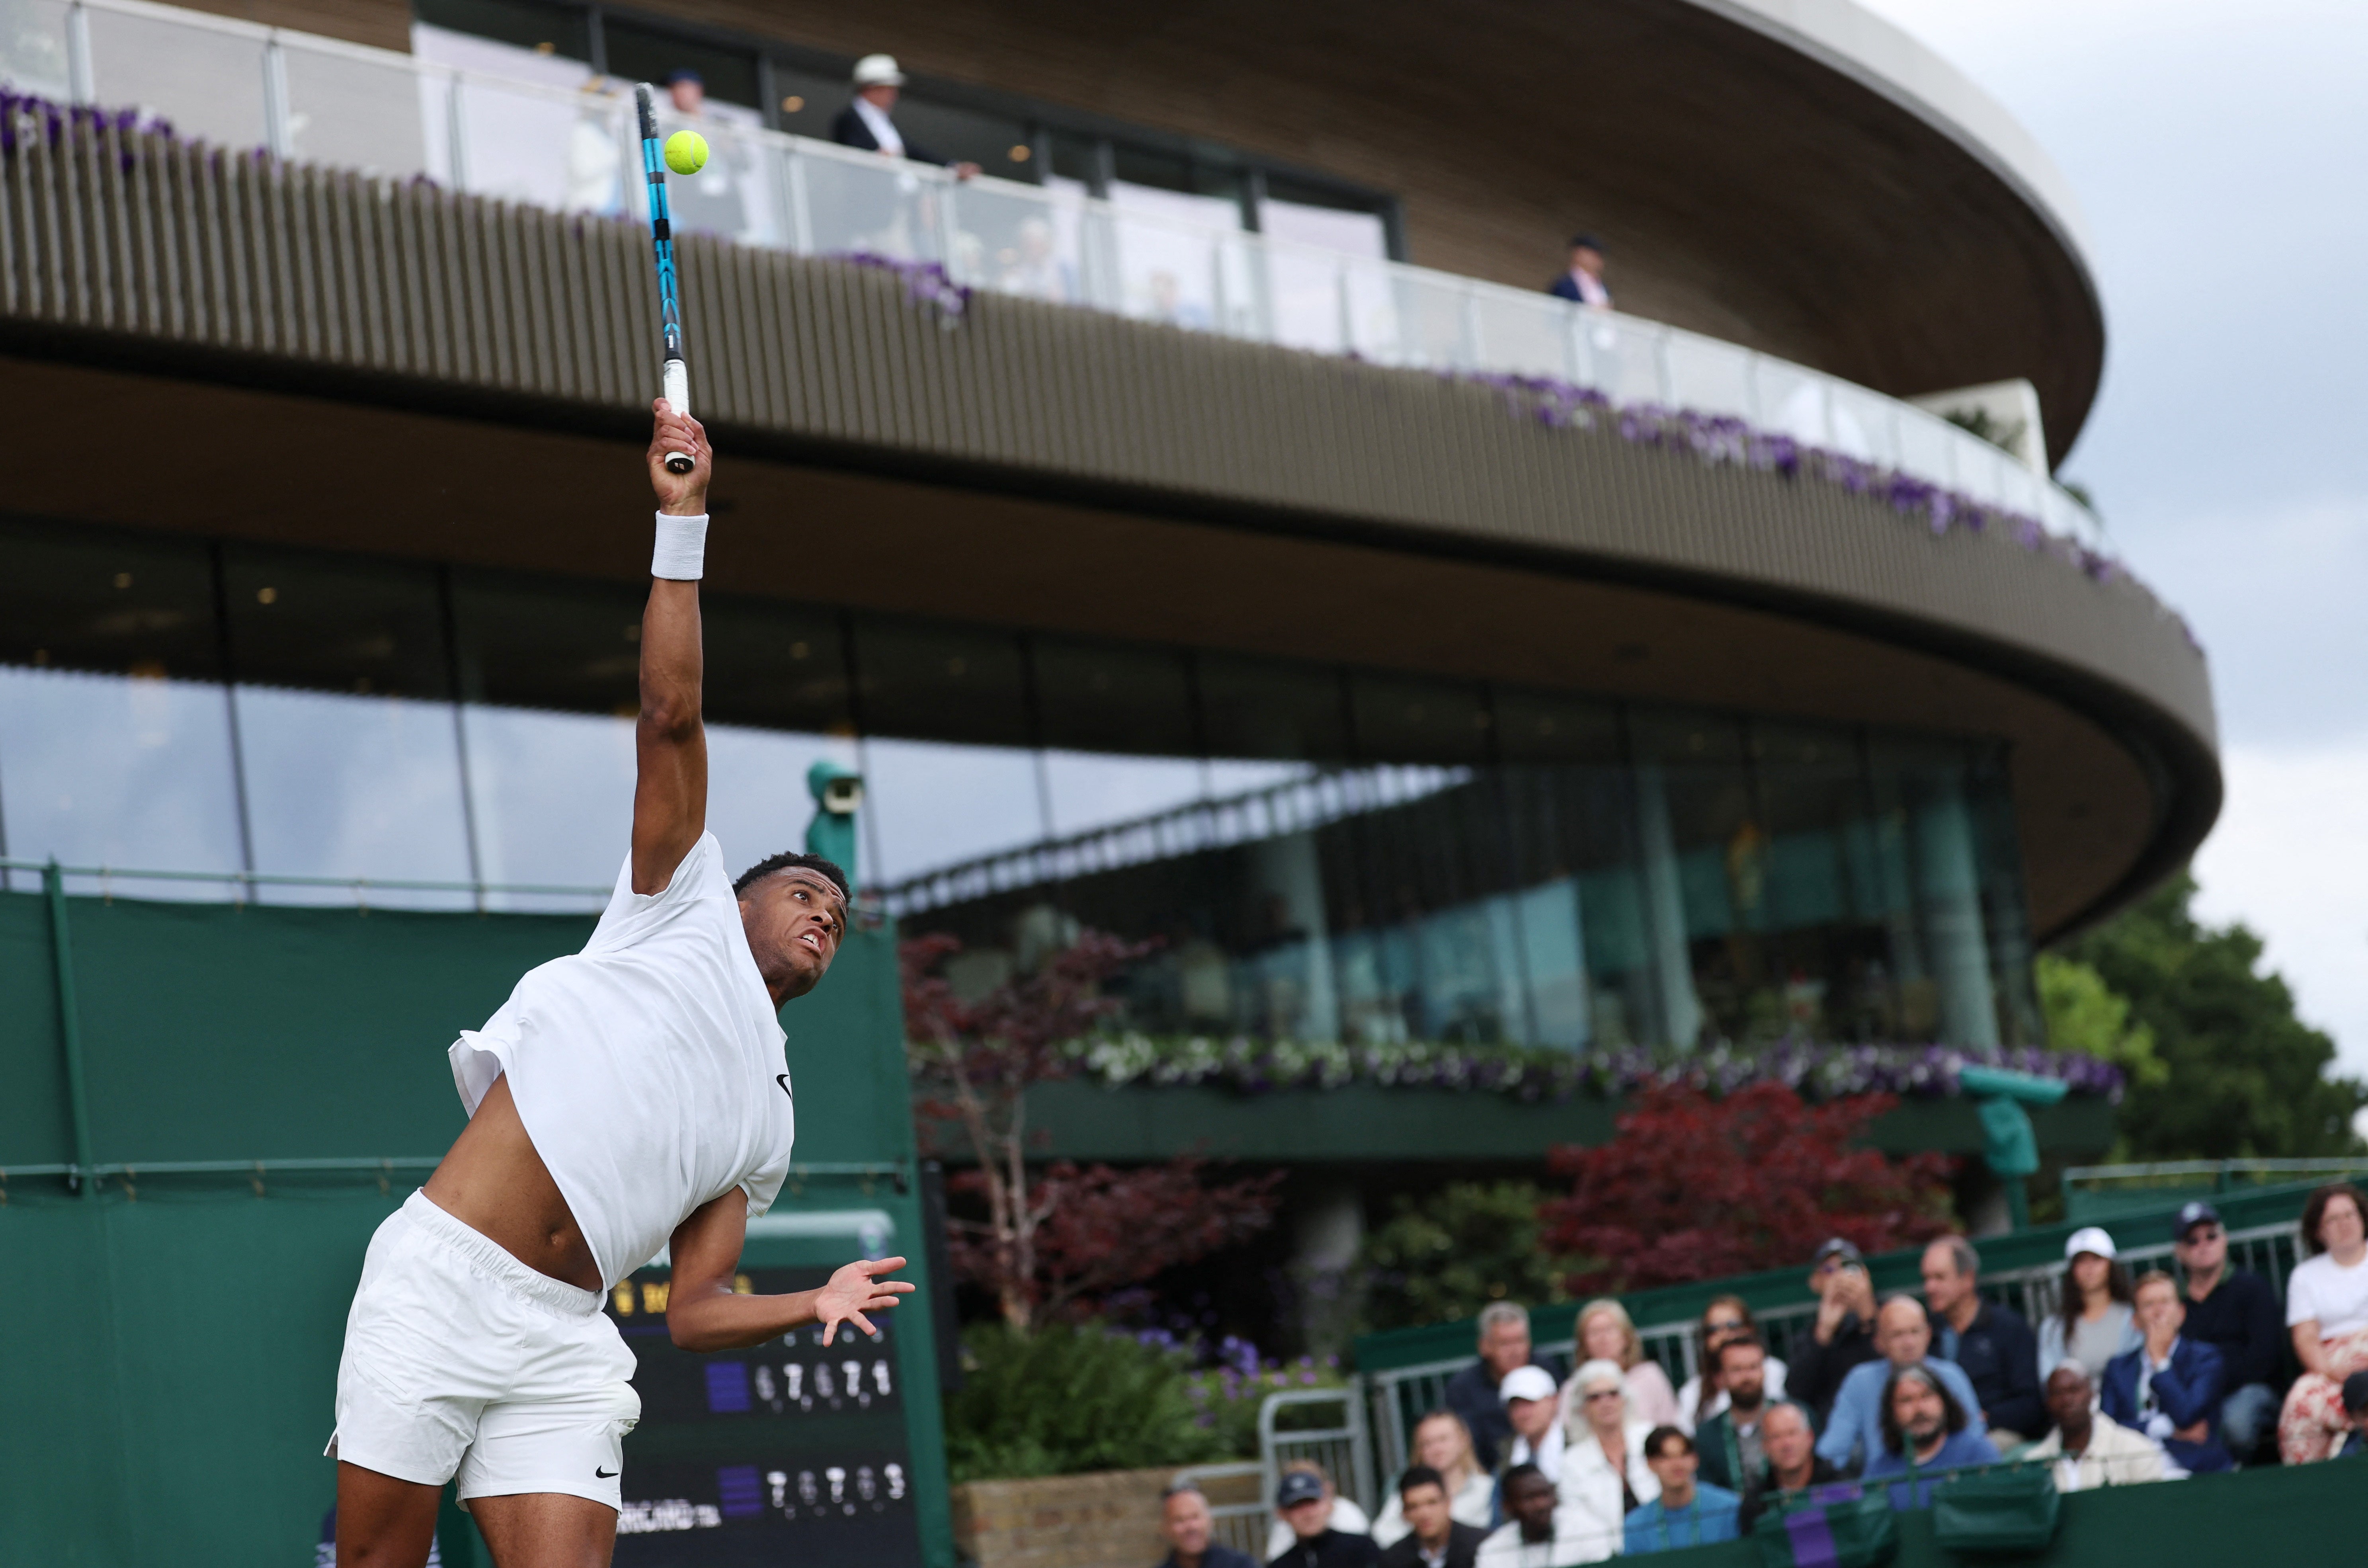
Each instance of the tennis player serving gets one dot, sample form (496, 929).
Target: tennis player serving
(628, 1097)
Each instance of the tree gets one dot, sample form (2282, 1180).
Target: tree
(2085, 1014)
(1449, 1254)
(2244, 1077)
(1056, 1237)
(1691, 1187)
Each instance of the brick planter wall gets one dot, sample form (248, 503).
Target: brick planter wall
(1108, 1519)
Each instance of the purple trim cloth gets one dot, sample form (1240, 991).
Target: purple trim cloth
(1813, 1539)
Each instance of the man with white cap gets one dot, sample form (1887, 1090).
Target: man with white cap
(1531, 1405)
(865, 122)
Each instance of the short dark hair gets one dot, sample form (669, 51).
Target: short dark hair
(790, 860)
(2314, 1212)
(1953, 1420)
(1420, 1475)
(1747, 1337)
(1658, 1438)
(1519, 1473)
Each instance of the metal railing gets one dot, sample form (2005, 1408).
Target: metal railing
(1397, 1398)
(108, 880)
(299, 97)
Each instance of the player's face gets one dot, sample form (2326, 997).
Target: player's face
(794, 922)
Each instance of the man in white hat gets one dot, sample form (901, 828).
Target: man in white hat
(865, 121)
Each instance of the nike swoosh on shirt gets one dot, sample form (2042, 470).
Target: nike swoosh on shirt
(783, 1079)
(604, 1474)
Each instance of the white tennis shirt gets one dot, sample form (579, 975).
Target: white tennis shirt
(648, 1068)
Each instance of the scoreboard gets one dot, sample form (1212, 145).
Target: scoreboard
(789, 1452)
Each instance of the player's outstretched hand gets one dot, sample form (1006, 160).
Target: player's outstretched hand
(854, 1291)
(684, 495)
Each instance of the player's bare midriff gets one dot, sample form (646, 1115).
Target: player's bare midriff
(495, 1182)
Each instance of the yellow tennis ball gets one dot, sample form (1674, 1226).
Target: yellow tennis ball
(686, 151)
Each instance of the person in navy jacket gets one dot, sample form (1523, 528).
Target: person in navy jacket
(2170, 1387)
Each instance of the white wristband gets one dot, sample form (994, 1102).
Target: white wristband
(681, 552)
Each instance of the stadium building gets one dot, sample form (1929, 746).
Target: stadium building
(1199, 525)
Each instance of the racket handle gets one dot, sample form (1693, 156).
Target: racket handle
(678, 395)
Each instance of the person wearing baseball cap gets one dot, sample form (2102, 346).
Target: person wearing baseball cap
(2097, 1320)
(2234, 1311)
(1842, 1338)
(1530, 1405)
(1303, 1500)
(866, 122)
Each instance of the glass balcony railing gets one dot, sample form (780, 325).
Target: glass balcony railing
(574, 149)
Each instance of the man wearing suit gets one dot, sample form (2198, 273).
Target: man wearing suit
(2170, 1387)
(1434, 1538)
(1583, 284)
(865, 121)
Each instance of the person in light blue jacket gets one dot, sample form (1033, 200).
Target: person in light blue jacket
(1904, 1334)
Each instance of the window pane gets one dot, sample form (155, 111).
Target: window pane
(102, 770)
(1329, 228)
(1254, 708)
(941, 683)
(89, 599)
(965, 135)
(553, 797)
(644, 55)
(542, 644)
(374, 628)
(757, 800)
(930, 804)
(1406, 719)
(524, 25)
(354, 787)
(775, 666)
(808, 102)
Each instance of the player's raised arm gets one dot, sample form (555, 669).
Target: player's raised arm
(669, 739)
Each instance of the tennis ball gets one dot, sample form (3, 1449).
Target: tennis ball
(686, 151)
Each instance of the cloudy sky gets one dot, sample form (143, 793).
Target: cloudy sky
(2220, 152)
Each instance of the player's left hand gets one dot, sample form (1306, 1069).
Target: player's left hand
(684, 495)
(854, 1291)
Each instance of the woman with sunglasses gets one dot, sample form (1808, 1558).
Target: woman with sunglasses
(1604, 1476)
(1726, 1317)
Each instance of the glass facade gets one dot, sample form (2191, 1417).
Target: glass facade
(1319, 853)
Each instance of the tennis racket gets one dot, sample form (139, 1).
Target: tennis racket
(675, 375)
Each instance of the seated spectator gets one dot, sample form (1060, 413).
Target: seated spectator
(2356, 1405)
(1532, 1403)
(2097, 1321)
(1689, 1512)
(1318, 1521)
(2090, 1448)
(1605, 1333)
(1904, 1334)
(1922, 1418)
(2170, 1387)
(1604, 1476)
(1189, 1528)
(1793, 1462)
(1473, 1392)
(1441, 1444)
(1700, 1397)
(1538, 1534)
(1843, 1336)
(1433, 1537)
(1729, 1442)
(1583, 283)
(2327, 1311)
(1994, 1346)
(2236, 1312)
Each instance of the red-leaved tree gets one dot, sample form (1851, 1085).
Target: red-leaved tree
(1057, 1236)
(1692, 1188)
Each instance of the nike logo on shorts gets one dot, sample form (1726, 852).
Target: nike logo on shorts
(603, 1474)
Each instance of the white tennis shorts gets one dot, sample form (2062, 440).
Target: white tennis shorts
(460, 1361)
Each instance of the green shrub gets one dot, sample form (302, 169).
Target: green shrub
(1066, 1400)
(1453, 1251)
(1228, 1395)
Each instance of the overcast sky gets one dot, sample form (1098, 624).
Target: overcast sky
(2220, 152)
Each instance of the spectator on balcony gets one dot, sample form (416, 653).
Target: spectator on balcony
(1531, 1404)
(721, 199)
(1473, 1392)
(1324, 1531)
(2236, 1312)
(1189, 1528)
(1033, 268)
(2169, 1388)
(1605, 1333)
(1690, 1511)
(1441, 1444)
(1842, 1338)
(1729, 1443)
(1790, 1438)
(1991, 1343)
(1537, 1533)
(2355, 1408)
(1430, 1536)
(866, 121)
(2090, 1448)
(1904, 1336)
(2326, 1310)
(1604, 1476)
(2098, 1321)
(1583, 283)
(1922, 1416)
(1700, 1397)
